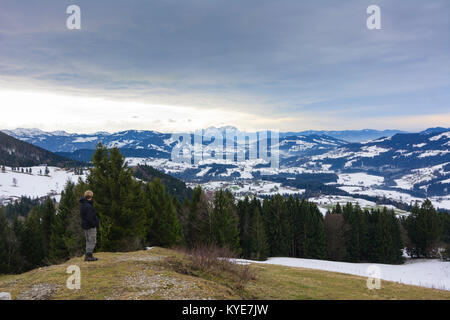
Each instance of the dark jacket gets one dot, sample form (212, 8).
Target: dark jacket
(89, 218)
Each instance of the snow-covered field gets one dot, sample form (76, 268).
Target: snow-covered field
(421, 175)
(425, 273)
(326, 202)
(240, 189)
(438, 202)
(243, 169)
(14, 184)
(359, 179)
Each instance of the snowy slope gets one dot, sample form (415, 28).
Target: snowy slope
(34, 185)
(425, 273)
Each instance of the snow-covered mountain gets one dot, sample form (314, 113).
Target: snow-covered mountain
(290, 146)
(60, 141)
(348, 135)
(15, 153)
(143, 144)
(417, 162)
(403, 167)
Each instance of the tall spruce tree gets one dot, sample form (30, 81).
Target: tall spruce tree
(31, 239)
(245, 236)
(259, 248)
(356, 233)
(446, 234)
(274, 213)
(9, 247)
(225, 228)
(58, 246)
(424, 230)
(290, 210)
(315, 239)
(48, 216)
(299, 234)
(388, 246)
(119, 201)
(198, 220)
(74, 238)
(164, 228)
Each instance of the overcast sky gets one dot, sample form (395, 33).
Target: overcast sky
(171, 65)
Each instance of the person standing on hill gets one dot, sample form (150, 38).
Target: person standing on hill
(89, 223)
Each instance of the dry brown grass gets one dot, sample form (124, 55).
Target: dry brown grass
(169, 274)
(211, 261)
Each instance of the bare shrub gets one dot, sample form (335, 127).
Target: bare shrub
(211, 260)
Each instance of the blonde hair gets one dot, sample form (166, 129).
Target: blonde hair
(88, 194)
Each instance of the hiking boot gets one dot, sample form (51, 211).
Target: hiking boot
(89, 257)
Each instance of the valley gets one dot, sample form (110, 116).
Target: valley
(395, 171)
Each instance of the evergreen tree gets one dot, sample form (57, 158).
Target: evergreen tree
(74, 238)
(225, 229)
(164, 228)
(424, 230)
(315, 240)
(289, 212)
(245, 236)
(446, 234)
(9, 247)
(356, 233)
(299, 235)
(198, 221)
(58, 247)
(274, 212)
(337, 209)
(31, 238)
(259, 247)
(388, 245)
(119, 201)
(48, 215)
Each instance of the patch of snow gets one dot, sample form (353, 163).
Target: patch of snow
(359, 179)
(424, 273)
(433, 153)
(440, 136)
(420, 175)
(203, 172)
(82, 140)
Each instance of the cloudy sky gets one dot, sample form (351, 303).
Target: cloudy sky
(172, 65)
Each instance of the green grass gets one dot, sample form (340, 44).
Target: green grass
(165, 274)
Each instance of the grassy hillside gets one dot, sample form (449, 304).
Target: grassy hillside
(167, 274)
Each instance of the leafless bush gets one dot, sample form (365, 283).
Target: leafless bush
(219, 262)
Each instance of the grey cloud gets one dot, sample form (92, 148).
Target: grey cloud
(284, 56)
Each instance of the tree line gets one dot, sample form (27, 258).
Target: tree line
(135, 214)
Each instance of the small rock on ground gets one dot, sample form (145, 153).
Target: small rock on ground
(5, 296)
(42, 291)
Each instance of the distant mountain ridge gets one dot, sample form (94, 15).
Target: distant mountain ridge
(161, 143)
(17, 153)
(414, 163)
(69, 142)
(350, 135)
(418, 162)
